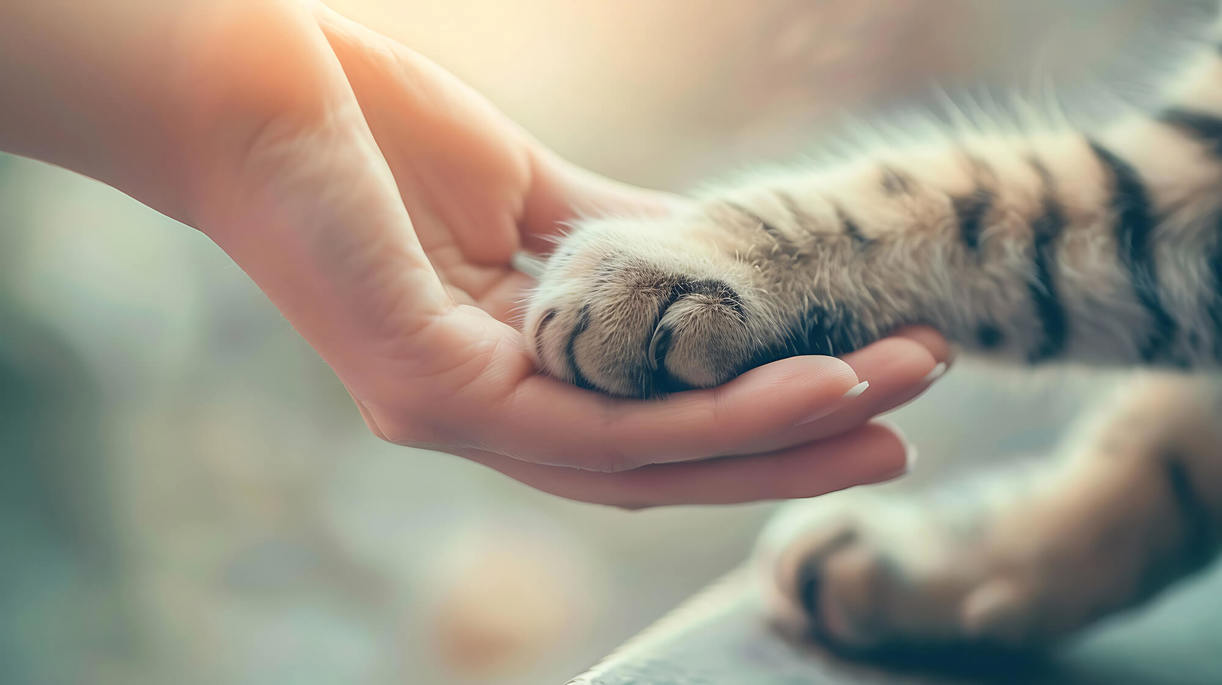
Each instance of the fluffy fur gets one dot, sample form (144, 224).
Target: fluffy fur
(1102, 247)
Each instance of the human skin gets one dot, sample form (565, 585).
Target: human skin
(378, 202)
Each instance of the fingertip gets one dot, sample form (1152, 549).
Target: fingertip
(873, 453)
(901, 453)
(904, 359)
(934, 342)
(833, 374)
(937, 372)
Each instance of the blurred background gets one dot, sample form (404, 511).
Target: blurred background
(187, 494)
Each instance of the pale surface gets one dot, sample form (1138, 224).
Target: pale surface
(719, 638)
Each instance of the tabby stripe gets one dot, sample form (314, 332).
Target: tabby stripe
(801, 219)
(970, 211)
(896, 182)
(989, 336)
(711, 288)
(851, 228)
(825, 331)
(661, 381)
(1205, 128)
(1215, 303)
(1047, 229)
(583, 322)
(543, 323)
(771, 230)
(981, 170)
(1135, 224)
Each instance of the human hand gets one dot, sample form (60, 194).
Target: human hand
(378, 202)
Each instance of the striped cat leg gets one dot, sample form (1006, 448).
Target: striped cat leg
(1063, 245)
(1024, 558)
(1045, 248)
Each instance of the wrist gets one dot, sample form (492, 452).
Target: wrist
(147, 96)
(84, 86)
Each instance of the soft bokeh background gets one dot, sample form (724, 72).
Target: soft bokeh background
(186, 494)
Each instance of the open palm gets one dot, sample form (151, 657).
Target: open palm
(380, 210)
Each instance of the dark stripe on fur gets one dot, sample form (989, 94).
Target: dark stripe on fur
(828, 331)
(1134, 228)
(547, 318)
(851, 228)
(1215, 302)
(810, 581)
(896, 182)
(819, 331)
(970, 211)
(989, 336)
(982, 171)
(660, 381)
(805, 222)
(1047, 229)
(714, 289)
(771, 230)
(1204, 128)
(570, 355)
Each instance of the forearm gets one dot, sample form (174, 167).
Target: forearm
(1084, 246)
(84, 87)
(235, 117)
(148, 96)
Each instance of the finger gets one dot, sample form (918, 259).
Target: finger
(897, 369)
(869, 454)
(931, 340)
(550, 422)
(785, 403)
(943, 355)
(896, 384)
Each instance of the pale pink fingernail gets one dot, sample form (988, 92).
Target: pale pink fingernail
(935, 373)
(855, 391)
(911, 455)
(911, 458)
(846, 399)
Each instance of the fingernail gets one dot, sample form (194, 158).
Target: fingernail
(852, 394)
(935, 373)
(855, 391)
(911, 457)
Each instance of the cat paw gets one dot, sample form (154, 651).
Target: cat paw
(640, 308)
(867, 575)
